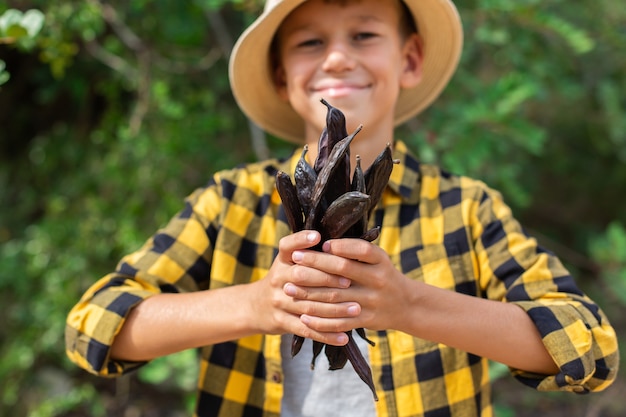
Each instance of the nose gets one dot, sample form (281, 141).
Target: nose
(338, 58)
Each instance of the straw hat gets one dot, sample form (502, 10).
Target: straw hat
(252, 84)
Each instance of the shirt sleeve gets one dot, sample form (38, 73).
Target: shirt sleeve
(176, 259)
(577, 334)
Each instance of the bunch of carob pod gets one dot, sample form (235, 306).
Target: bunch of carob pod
(323, 197)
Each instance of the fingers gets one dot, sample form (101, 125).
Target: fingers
(326, 330)
(355, 249)
(320, 301)
(337, 262)
(300, 240)
(311, 275)
(327, 326)
(337, 320)
(330, 338)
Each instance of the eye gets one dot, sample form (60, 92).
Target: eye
(309, 43)
(362, 36)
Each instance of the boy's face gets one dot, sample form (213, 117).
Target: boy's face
(352, 54)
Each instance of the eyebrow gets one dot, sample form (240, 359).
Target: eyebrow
(361, 18)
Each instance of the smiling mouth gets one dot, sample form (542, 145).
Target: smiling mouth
(339, 90)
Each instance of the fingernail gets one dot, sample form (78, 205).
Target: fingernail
(311, 237)
(290, 289)
(342, 339)
(344, 282)
(353, 310)
(326, 246)
(297, 256)
(305, 319)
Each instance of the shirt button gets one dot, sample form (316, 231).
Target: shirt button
(277, 377)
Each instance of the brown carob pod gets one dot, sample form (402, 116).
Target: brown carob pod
(344, 212)
(289, 196)
(317, 349)
(358, 184)
(336, 128)
(305, 177)
(372, 234)
(296, 344)
(359, 363)
(361, 333)
(325, 199)
(337, 357)
(334, 131)
(377, 176)
(358, 178)
(319, 203)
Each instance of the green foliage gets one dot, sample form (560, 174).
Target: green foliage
(179, 370)
(118, 110)
(609, 250)
(56, 405)
(4, 75)
(20, 29)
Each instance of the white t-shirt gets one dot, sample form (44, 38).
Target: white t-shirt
(321, 392)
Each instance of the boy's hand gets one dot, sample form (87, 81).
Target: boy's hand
(377, 287)
(278, 312)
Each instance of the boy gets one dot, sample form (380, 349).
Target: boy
(451, 282)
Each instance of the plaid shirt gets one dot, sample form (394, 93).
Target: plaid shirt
(449, 231)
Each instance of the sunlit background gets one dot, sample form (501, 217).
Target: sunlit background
(111, 112)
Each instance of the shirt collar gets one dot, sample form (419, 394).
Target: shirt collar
(403, 177)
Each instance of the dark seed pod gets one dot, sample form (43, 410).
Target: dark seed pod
(359, 363)
(358, 184)
(377, 176)
(305, 177)
(361, 332)
(372, 234)
(323, 151)
(358, 178)
(323, 177)
(335, 124)
(336, 128)
(317, 349)
(296, 344)
(337, 356)
(325, 199)
(344, 212)
(334, 131)
(291, 204)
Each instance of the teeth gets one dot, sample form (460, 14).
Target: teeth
(324, 199)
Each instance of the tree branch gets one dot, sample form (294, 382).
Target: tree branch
(226, 43)
(113, 61)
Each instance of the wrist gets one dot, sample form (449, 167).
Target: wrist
(412, 317)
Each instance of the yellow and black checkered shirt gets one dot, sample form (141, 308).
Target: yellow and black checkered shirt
(448, 231)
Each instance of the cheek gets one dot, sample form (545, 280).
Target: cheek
(297, 74)
(280, 83)
(390, 76)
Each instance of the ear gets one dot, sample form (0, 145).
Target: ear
(412, 54)
(280, 82)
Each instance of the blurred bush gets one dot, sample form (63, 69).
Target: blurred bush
(113, 111)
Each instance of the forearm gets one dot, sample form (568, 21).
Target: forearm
(495, 330)
(169, 323)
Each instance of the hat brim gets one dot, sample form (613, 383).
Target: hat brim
(252, 85)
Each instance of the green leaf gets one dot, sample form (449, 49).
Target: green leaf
(18, 26)
(577, 38)
(33, 22)
(9, 18)
(4, 75)
(16, 32)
